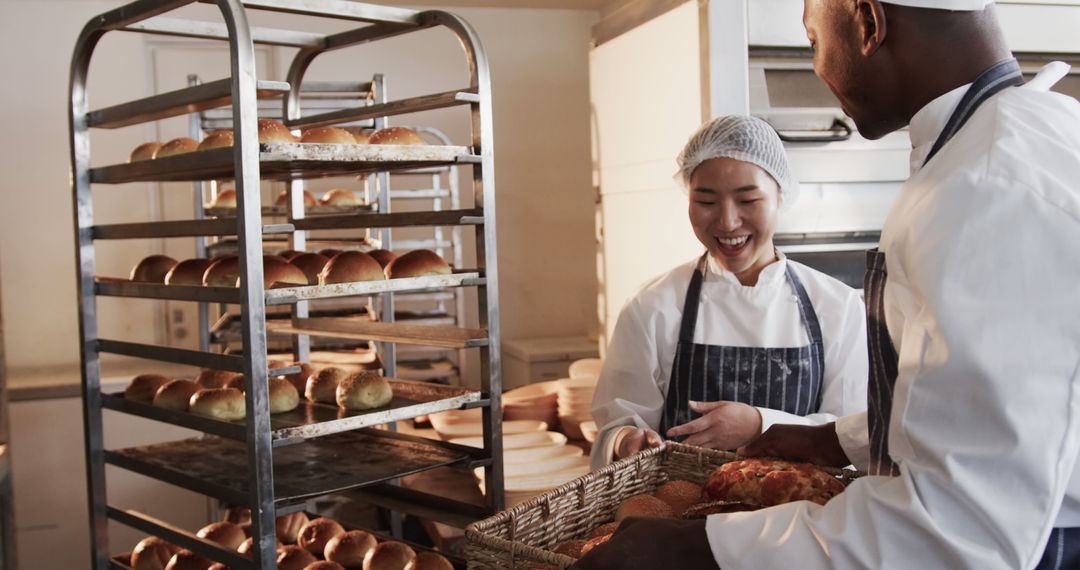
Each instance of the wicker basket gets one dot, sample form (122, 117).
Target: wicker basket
(523, 536)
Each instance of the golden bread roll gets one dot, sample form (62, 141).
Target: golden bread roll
(350, 548)
(145, 151)
(327, 135)
(152, 269)
(215, 378)
(283, 396)
(238, 382)
(322, 387)
(769, 482)
(316, 533)
(360, 134)
(644, 506)
(324, 565)
(218, 566)
(311, 264)
(238, 515)
(383, 256)
(571, 548)
(228, 535)
(290, 254)
(279, 273)
(176, 394)
(395, 135)
(225, 272)
(364, 391)
(340, 197)
(182, 145)
(187, 272)
(429, 561)
(292, 557)
(389, 555)
(283, 199)
(188, 560)
(249, 544)
(224, 199)
(218, 139)
(274, 131)
(594, 542)
(288, 527)
(606, 528)
(152, 553)
(329, 253)
(681, 495)
(299, 379)
(143, 387)
(221, 403)
(350, 266)
(417, 263)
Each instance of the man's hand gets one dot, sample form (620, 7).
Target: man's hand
(650, 544)
(813, 444)
(723, 425)
(635, 441)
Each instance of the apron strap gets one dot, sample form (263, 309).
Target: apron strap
(813, 327)
(690, 306)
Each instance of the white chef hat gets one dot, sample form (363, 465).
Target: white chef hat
(955, 5)
(740, 137)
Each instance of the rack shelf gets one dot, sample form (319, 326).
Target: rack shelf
(446, 337)
(180, 228)
(284, 161)
(175, 103)
(413, 105)
(320, 209)
(472, 216)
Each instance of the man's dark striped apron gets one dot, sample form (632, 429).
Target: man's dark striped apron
(787, 379)
(1063, 550)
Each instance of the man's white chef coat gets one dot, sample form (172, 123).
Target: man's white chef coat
(983, 306)
(637, 367)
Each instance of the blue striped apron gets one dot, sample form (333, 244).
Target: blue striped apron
(1063, 550)
(787, 379)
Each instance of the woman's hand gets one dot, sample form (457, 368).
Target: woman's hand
(815, 444)
(722, 425)
(637, 440)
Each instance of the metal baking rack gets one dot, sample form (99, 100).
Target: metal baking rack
(265, 462)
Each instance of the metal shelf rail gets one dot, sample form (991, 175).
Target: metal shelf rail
(258, 460)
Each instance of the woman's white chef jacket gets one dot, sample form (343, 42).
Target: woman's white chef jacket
(637, 367)
(983, 305)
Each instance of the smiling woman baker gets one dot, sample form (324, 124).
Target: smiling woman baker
(718, 349)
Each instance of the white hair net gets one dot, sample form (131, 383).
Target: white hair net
(744, 138)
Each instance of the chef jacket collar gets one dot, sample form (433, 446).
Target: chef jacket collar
(928, 123)
(773, 275)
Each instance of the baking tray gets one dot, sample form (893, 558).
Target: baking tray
(313, 419)
(286, 161)
(218, 467)
(282, 211)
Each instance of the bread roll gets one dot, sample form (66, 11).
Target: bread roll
(606, 528)
(299, 379)
(383, 256)
(220, 403)
(350, 548)
(152, 269)
(283, 199)
(145, 151)
(594, 542)
(327, 135)
(350, 266)
(188, 560)
(364, 391)
(224, 199)
(238, 515)
(429, 561)
(218, 566)
(329, 253)
(389, 555)
(228, 535)
(215, 378)
(218, 139)
(176, 394)
(152, 553)
(283, 396)
(249, 544)
(324, 565)
(395, 135)
(341, 197)
(322, 387)
(288, 527)
(274, 131)
(571, 548)
(316, 533)
(360, 134)
(143, 387)
(293, 557)
(174, 147)
(681, 495)
(644, 506)
(187, 272)
(239, 382)
(224, 272)
(279, 273)
(311, 264)
(417, 263)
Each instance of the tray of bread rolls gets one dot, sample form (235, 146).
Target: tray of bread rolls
(218, 467)
(306, 404)
(333, 201)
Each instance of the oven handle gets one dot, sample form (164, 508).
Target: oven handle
(840, 131)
